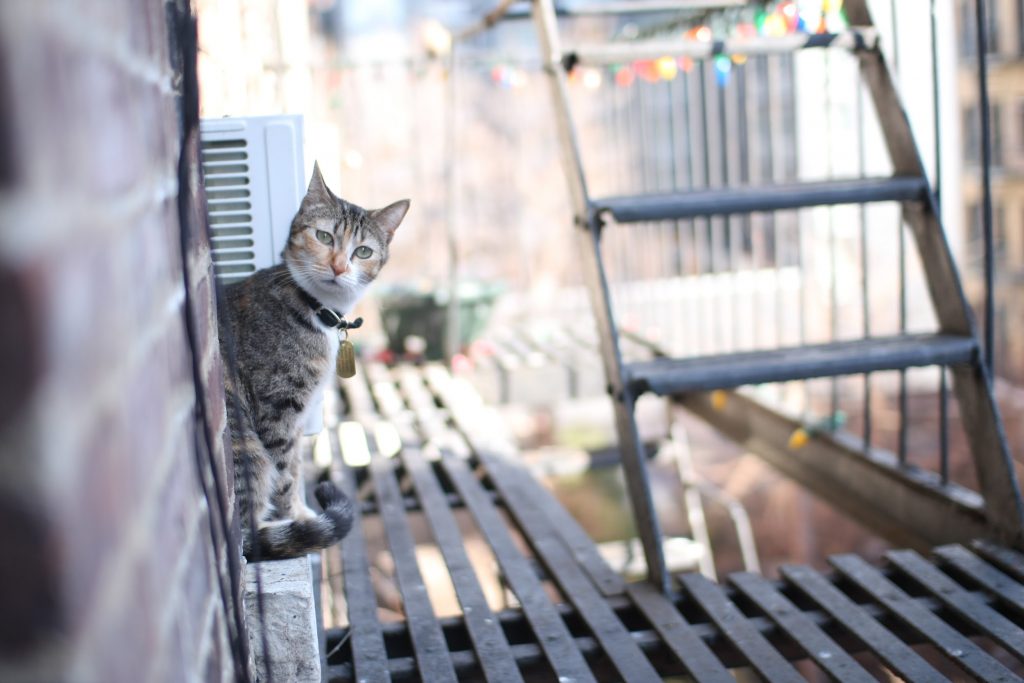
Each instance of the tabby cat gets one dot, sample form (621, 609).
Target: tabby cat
(282, 323)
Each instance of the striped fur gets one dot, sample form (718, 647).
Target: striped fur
(283, 356)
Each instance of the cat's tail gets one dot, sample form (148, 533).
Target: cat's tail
(296, 537)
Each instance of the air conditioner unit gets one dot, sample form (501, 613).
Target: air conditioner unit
(255, 179)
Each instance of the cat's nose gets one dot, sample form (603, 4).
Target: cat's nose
(339, 268)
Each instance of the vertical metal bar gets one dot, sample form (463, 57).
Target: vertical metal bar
(833, 264)
(936, 108)
(746, 226)
(707, 228)
(728, 223)
(648, 182)
(865, 278)
(452, 332)
(901, 448)
(695, 264)
(764, 78)
(895, 41)
(676, 235)
(937, 190)
(943, 426)
(755, 264)
(986, 188)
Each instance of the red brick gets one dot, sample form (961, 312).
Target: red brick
(90, 115)
(198, 589)
(127, 643)
(93, 519)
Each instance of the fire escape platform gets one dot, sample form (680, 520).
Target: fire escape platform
(954, 613)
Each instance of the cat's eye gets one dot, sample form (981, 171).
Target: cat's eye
(325, 237)
(363, 252)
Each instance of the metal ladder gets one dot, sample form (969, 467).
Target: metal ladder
(955, 345)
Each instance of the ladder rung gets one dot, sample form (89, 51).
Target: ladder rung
(670, 375)
(619, 52)
(732, 200)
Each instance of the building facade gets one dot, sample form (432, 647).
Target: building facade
(1005, 57)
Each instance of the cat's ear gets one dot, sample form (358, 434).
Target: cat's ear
(390, 217)
(317, 194)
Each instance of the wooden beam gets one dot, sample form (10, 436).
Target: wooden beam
(907, 506)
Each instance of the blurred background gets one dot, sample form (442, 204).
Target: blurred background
(391, 112)
(116, 502)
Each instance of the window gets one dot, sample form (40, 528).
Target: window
(996, 127)
(976, 236)
(1020, 124)
(968, 28)
(1020, 27)
(971, 122)
(972, 135)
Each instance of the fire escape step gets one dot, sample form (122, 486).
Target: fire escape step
(735, 200)
(665, 376)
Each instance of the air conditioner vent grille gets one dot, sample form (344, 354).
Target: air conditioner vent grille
(231, 223)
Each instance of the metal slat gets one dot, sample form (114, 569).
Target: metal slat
(1010, 561)
(572, 534)
(825, 652)
(575, 538)
(625, 655)
(369, 658)
(947, 639)
(1006, 590)
(562, 524)
(492, 649)
(678, 635)
(669, 375)
(628, 659)
(761, 656)
(896, 654)
(432, 424)
(555, 639)
(427, 639)
(725, 201)
(358, 400)
(552, 634)
(968, 607)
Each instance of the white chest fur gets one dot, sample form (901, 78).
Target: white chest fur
(312, 417)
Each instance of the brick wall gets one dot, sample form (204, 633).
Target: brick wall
(113, 564)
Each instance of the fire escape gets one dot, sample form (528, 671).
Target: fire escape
(965, 602)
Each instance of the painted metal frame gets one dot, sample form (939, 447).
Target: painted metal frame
(916, 505)
(971, 383)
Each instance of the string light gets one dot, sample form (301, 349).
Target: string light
(777, 19)
(592, 79)
(666, 68)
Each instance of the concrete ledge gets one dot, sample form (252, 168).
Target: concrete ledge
(290, 621)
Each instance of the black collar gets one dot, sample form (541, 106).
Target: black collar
(328, 316)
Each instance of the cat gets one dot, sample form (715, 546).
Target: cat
(282, 327)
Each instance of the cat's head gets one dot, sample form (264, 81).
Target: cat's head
(335, 248)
